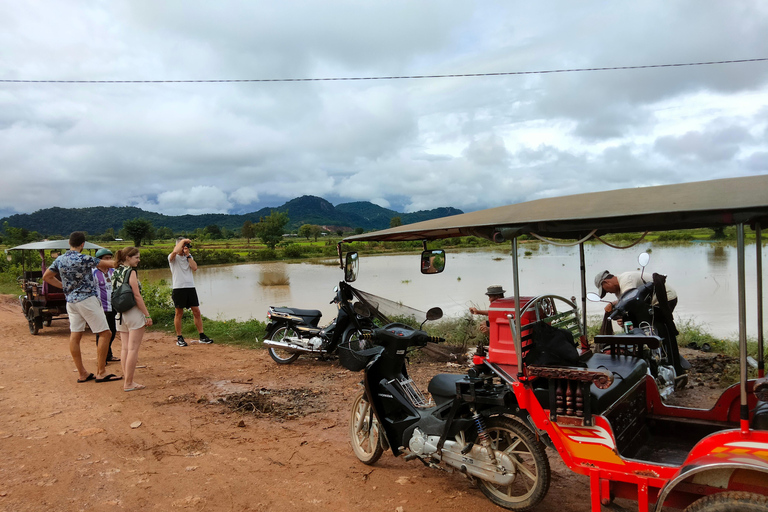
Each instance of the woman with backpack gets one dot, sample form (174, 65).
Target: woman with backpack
(131, 323)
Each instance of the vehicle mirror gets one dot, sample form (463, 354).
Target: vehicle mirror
(432, 262)
(350, 267)
(434, 314)
(362, 310)
(643, 259)
(593, 297)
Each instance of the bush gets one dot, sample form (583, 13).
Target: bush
(262, 255)
(675, 236)
(293, 251)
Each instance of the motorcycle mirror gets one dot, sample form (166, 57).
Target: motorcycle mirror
(432, 262)
(434, 314)
(643, 259)
(351, 266)
(593, 297)
(362, 310)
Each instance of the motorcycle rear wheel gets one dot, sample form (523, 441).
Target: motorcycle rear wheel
(279, 355)
(365, 431)
(532, 470)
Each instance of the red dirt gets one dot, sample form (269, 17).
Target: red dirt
(69, 446)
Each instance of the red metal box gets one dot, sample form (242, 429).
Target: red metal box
(501, 347)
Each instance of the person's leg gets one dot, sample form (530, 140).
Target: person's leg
(198, 318)
(132, 357)
(123, 349)
(101, 351)
(74, 350)
(113, 329)
(177, 320)
(76, 327)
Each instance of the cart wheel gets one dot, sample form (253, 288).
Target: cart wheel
(731, 502)
(35, 323)
(47, 321)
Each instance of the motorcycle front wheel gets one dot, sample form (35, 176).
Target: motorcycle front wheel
(531, 465)
(364, 431)
(279, 355)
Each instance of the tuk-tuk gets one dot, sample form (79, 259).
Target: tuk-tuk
(605, 417)
(41, 302)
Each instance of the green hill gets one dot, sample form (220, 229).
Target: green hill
(302, 210)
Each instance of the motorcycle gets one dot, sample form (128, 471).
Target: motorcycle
(292, 331)
(641, 320)
(466, 424)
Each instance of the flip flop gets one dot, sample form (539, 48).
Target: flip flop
(135, 388)
(113, 359)
(109, 378)
(89, 377)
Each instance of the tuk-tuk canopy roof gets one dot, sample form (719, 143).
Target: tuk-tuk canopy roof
(715, 203)
(51, 244)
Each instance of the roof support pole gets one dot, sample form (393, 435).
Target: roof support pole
(759, 276)
(516, 334)
(583, 269)
(742, 327)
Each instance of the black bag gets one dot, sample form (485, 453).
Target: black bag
(122, 296)
(552, 347)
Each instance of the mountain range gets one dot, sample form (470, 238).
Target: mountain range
(302, 210)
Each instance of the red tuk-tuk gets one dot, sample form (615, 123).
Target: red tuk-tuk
(606, 418)
(40, 301)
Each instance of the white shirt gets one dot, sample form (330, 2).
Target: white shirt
(180, 272)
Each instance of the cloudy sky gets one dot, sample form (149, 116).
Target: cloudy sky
(412, 144)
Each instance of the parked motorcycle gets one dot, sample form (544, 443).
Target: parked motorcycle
(640, 318)
(292, 331)
(465, 425)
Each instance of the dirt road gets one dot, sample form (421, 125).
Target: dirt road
(68, 446)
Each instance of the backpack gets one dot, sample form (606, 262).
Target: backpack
(122, 296)
(552, 347)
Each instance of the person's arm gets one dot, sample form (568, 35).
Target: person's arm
(106, 264)
(475, 311)
(134, 282)
(51, 278)
(192, 263)
(179, 249)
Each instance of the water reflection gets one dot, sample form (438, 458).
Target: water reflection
(717, 256)
(703, 275)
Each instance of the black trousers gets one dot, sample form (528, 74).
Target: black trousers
(112, 327)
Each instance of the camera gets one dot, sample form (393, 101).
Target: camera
(187, 245)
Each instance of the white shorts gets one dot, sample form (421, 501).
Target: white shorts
(132, 320)
(87, 311)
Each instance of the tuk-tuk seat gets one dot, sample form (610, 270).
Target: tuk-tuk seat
(760, 417)
(33, 275)
(53, 293)
(627, 371)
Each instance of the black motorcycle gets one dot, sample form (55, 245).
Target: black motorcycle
(467, 423)
(644, 322)
(292, 331)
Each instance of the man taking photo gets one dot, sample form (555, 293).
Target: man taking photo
(184, 294)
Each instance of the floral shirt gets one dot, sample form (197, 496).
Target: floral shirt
(75, 274)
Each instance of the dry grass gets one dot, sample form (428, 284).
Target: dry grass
(274, 278)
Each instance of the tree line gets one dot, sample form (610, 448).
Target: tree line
(269, 229)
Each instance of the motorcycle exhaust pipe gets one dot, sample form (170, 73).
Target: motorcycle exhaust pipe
(289, 346)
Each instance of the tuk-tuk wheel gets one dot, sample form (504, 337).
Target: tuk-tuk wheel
(731, 501)
(47, 321)
(33, 327)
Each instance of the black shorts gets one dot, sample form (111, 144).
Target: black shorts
(184, 298)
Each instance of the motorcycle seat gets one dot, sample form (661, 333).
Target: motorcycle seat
(627, 372)
(443, 385)
(310, 316)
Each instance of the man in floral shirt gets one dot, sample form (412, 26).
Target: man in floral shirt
(76, 279)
